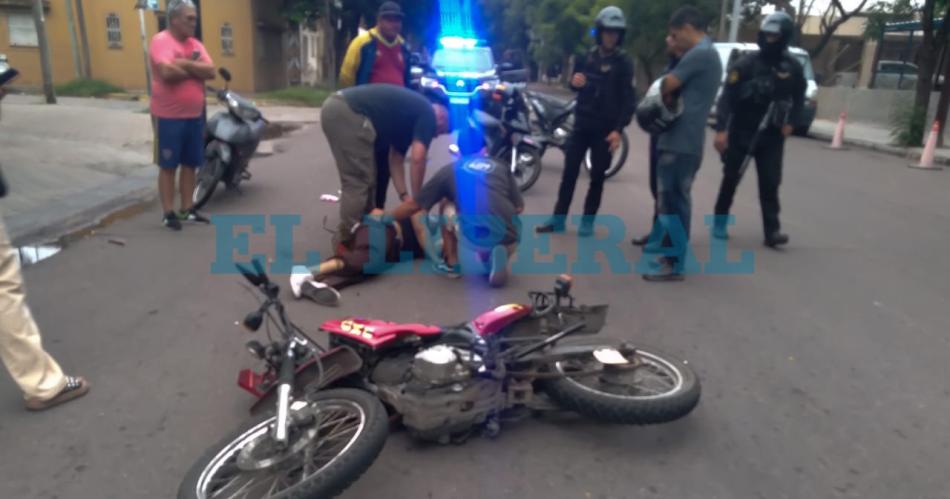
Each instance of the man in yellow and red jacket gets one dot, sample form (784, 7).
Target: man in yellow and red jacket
(379, 55)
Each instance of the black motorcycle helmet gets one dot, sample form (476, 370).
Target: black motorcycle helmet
(781, 25)
(611, 18)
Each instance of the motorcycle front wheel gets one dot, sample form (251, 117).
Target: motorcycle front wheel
(341, 433)
(617, 160)
(527, 165)
(209, 176)
(650, 388)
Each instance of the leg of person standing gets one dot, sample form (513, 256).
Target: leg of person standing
(352, 140)
(38, 375)
(600, 161)
(382, 176)
(675, 175)
(654, 156)
(732, 162)
(768, 163)
(573, 157)
(192, 158)
(168, 145)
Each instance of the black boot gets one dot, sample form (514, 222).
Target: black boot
(552, 225)
(776, 239)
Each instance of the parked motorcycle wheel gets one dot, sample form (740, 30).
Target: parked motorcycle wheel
(209, 176)
(528, 167)
(654, 388)
(618, 158)
(325, 456)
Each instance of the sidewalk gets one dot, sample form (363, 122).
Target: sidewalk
(72, 164)
(874, 137)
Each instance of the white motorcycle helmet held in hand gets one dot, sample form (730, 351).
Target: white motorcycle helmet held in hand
(653, 115)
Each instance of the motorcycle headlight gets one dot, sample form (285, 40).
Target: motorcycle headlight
(428, 82)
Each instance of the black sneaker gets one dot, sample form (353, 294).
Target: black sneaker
(171, 221)
(550, 227)
(663, 271)
(193, 216)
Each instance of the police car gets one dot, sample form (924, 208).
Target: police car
(459, 69)
(729, 52)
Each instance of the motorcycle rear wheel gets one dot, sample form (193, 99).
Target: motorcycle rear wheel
(325, 456)
(209, 176)
(654, 389)
(617, 159)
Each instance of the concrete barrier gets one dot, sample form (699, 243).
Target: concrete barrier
(867, 105)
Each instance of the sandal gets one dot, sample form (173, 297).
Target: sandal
(75, 387)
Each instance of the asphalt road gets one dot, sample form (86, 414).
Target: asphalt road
(824, 371)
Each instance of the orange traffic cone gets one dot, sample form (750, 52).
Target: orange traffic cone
(837, 142)
(927, 156)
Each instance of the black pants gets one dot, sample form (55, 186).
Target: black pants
(768, 164)
(654, 158)
(382, 176)
(580, 142)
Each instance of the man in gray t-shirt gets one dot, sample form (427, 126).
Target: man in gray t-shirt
(695, 80)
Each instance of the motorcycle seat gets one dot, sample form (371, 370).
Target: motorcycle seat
(552, 106)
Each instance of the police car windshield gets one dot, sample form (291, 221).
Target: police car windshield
(473, 60)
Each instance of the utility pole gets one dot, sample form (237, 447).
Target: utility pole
(142, 6)
(45, 61)
(86, 64)
(723, 10)
(74, 42)
(736, 20)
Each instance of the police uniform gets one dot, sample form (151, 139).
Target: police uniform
(753, 84)
(605, 104)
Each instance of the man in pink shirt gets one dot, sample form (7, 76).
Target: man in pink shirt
(180, 66)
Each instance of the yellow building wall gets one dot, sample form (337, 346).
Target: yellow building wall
(27, 59)
(122, 66)
(214, 13)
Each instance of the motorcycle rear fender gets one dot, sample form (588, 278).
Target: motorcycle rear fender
(338, 363)
(218, 149)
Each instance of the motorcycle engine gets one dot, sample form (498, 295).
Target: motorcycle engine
(438, 391)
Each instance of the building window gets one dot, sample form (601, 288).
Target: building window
(22, 30)
(113, 31)
(227, 39)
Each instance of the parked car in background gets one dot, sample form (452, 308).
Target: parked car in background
(729, 52)
(4, 65)
(896, 75)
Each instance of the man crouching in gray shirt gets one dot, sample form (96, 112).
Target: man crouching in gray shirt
(695, 80)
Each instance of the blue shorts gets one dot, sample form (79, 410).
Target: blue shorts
(179, 142)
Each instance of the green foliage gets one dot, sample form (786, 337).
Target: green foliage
(297, 96)
(889, 11)
(909, 124)
(87, 88)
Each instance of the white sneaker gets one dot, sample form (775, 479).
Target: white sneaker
(298, 276)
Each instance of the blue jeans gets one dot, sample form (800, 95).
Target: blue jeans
(675, 173)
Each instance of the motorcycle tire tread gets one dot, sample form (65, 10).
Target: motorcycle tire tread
(637, 412)
(340, 475)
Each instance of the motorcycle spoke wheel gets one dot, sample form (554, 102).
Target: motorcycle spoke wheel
(649, 376)
(335, 438)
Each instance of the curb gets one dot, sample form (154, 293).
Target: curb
(83, 210)
(910, 154)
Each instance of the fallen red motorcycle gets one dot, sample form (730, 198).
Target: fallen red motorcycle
(443, 384)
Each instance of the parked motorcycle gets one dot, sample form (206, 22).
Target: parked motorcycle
(552, 123)
(231, 139)
(307, 443)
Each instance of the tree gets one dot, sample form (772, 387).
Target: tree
(934, 42)
(834, 16)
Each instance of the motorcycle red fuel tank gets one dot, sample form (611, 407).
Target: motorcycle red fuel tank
(377, 333)
(493, 321)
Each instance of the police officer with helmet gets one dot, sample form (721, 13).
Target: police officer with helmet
(605, 105)
(763, 96)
